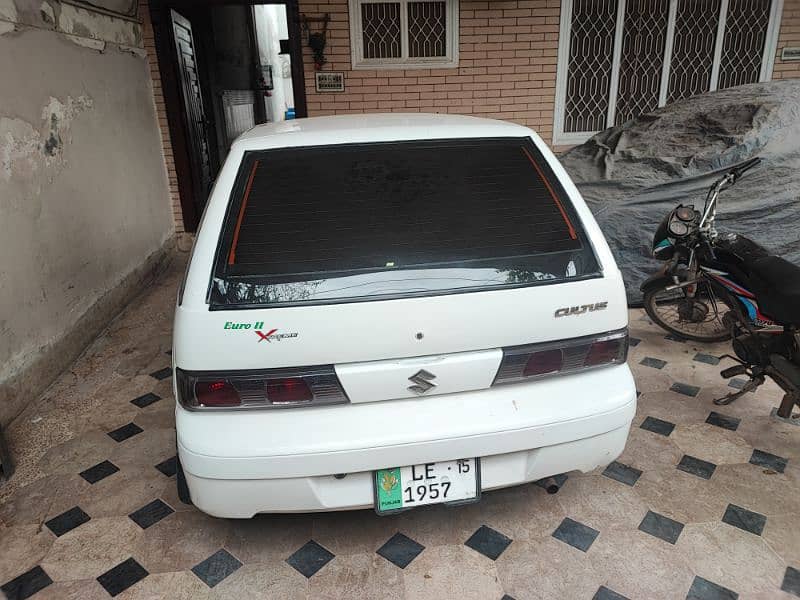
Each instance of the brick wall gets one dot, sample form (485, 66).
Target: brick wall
(789, 36)
(507, 67)
(161, 111)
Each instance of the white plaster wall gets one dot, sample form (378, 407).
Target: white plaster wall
(83, 187)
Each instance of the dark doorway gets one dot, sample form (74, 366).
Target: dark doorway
(220, 76)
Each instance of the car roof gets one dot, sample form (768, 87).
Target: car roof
(343, 129)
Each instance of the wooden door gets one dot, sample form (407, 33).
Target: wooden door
(194, 113)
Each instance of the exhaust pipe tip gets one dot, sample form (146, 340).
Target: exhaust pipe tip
(550, 485)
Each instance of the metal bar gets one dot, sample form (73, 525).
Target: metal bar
(668, 46)
(134, 18)
(615, 61)
(718, 43)
(677, 286)
(562, 70)
(787, 404)
(404, 42)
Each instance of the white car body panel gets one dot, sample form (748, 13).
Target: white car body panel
(241, 462)
(387, 329)
(390, 379)
(359, 437)
(243, 498)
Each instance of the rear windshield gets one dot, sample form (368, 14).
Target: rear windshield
(355, 222)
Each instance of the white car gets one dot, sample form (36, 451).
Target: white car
(387, 311)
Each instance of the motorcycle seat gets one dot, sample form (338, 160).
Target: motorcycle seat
(776, 285)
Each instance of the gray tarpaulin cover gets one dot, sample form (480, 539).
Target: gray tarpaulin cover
(632, 175)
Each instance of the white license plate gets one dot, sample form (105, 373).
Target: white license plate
(454, 481)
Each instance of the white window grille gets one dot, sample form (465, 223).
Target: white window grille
(591, 50)
(746, 27)
(381, 29)
(618, 59)
(404, 34)
(692, 60)
(642, 58)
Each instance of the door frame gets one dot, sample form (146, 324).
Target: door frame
(562, 138)
(166, 53)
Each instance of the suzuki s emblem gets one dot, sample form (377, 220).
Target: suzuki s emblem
(423, 382)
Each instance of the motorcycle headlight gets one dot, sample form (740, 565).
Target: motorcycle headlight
(678, 228)
(685, 213)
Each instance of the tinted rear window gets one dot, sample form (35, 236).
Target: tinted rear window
(362, 221)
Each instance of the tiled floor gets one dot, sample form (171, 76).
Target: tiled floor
(704, 503)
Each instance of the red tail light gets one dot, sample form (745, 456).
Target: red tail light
(263, 388)
(567, 356)
(541, 363)
(603, 352)
(288, 391)
(216, 393)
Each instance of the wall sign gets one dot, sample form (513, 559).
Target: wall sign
(329, 81)
(790, 53)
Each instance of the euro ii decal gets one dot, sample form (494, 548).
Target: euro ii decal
(265, 334)
(570, 311)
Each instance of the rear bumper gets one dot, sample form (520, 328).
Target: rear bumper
(238, 464)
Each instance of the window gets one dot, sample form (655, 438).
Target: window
(407, 34)
(622, 58)
(388, 219)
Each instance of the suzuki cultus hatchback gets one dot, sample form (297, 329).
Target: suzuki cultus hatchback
(390, 311)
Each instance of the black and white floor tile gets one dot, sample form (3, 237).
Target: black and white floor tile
(488, 542)
(310, 558)
(67, 521)
(702, 504)
(661, 527)
(576, 534)
(121, 577)
(400, 550)
(216, 567)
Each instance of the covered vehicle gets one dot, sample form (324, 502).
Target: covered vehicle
(633, 174)
(394, 310)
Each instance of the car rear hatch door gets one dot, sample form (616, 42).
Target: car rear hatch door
(407, 266)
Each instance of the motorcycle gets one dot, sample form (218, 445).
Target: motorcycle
(715, 287)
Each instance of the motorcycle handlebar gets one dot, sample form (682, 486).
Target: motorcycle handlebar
(729, 179)
(740, 170)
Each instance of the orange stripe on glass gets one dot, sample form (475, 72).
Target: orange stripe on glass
(232, 253)
(560, 206)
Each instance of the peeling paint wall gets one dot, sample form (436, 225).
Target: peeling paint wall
(83, 189)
